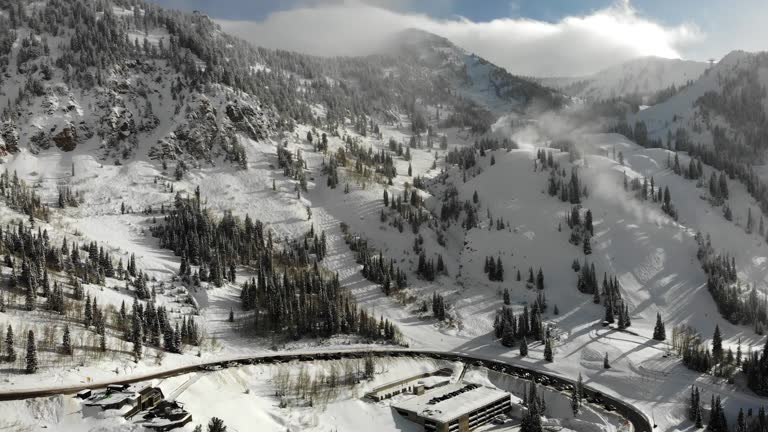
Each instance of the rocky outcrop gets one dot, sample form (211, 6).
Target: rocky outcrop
(9, 138)
(249, 120)
(66, 140)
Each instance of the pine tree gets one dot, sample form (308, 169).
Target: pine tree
(531, 421)
(11, 352)
(717, 345)
(606, 364)
(741, 425)
(524, 347)
(31, 353)
(67, 341)
(87, 312)
(699, 420)
(659, 333)
(508, 336)
(136, 336)
(29, 300)
(693, 405)
(548, 352)
(507, 300)
(216, 424)
(609, 316)
(575, 401)
(540, 279)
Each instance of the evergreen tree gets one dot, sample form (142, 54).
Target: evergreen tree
(31, 354)
(717, 345)
(540, 279)
(508, 336)
(659, 333)
(87, 311)
(575, 401)
(136, 336)
(216, 424)
(606, 364)
(29, 298)
(67, 341)
(11, 352)
(697, 409)
(580, 387)
(741, 424)
(548, 352)
(531, 421)
(524, 347)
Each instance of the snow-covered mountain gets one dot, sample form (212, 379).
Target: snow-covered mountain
(485, 83)
(726, 107)
(159, 175)
(643, 77)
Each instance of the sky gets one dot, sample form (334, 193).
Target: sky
(527, 37)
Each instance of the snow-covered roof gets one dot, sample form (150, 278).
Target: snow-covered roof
(107, 399)
(159, 422)
(115, 397)
(440, 406)
(432, 381)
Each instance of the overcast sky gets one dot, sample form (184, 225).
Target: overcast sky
(527, 37)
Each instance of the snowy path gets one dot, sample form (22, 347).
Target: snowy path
(194, 377)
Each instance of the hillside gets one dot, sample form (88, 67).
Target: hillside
(647, 79)
(725, 106)
(481, 81)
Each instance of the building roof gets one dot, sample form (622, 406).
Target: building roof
(113, 397)
(446, 403)
(432, 381)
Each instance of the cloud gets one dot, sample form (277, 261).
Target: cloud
(573, 46)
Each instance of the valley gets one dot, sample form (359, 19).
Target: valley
(177, 205)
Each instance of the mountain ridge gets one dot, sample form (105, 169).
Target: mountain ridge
(642, 77)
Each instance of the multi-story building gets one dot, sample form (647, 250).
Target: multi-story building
(459, 407)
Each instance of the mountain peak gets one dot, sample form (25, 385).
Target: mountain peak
(413, 40)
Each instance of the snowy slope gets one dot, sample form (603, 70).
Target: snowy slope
(473, 77)
(643, 76)
(680, 111)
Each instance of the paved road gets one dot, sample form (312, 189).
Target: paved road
(639, 420)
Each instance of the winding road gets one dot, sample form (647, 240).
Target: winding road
(637, 418)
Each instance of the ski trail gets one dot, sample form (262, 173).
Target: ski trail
(194, 377)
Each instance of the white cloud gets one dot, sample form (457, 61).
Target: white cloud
(573, 46)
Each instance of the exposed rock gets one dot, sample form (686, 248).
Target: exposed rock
(248, 120)
(66, 140)
(9, 136)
